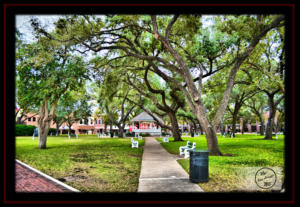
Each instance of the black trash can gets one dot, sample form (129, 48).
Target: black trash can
(199, 166)
(192, 134)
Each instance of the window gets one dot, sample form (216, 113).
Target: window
(96, 121)
(80, 121)
(29, 119)
(33, 119)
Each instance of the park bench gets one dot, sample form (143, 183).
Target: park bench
(73, 135)
(274, 134)
(140, 137)
(186, 151)
(182, 148)
(166, 139)
(134, 143)
(228, 135)
(101, 135)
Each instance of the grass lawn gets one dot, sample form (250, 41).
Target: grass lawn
(224, 171)
(88, 164)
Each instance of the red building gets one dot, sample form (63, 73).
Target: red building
(93, 126)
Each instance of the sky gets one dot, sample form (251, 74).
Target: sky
(23, 23)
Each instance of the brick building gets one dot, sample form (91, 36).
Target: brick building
(92, 126)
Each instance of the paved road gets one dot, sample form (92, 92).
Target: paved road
(160, 171)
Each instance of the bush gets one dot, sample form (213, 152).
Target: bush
(24, 130)
(129, 134)
(164, 134)
(53, 131)
(145, 134)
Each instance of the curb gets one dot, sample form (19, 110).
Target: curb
(48, 177)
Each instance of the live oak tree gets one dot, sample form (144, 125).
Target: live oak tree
(45, 71)
(268, 62)
(239, 96)
(144, 85)
(188, 116)
(170, 38)
(167, 99)
(58, 116)
(76, 106)
(257, 104)
(112, 99)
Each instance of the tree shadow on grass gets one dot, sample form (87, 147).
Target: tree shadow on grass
(264, 139)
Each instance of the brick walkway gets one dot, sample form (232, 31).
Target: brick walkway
(30, 181)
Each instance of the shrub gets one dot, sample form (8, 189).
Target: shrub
(52, 130)
(165, 133)
(145, 134)
(24, 130)
(129, 134)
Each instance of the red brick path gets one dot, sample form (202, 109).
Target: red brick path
(29, 181)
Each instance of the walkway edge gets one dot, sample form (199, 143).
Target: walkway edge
(48, 177)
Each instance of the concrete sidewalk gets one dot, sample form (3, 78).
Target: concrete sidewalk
(160, 171)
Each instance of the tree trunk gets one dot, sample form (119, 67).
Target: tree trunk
(175, 129)
(201, 129)
(121, 131)
(43, 132)
(262, 126)
(43, 125)
(70, 130)
(270, 124)
(242, 125)
(44, 121)
(57, 128)
(234, 119)
(212, 141)
(210, 132)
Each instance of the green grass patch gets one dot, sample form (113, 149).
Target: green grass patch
(248, 151)
(88, 163)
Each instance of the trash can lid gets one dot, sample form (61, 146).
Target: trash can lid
(199, 150)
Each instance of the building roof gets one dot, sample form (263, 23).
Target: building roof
(144, 116)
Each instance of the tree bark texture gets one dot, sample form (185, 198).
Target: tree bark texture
(210, 132)
(262, 126)
(43, 125)
(270, 123)
(175, 129)
(234, 118)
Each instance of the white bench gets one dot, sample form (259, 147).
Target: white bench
(72, 135)
(140, 137)
(134, 143)
(165, 139)
(182, 148)
(186, 151)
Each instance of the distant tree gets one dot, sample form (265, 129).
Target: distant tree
(257, 104)
(76, 106)
(268, 61)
